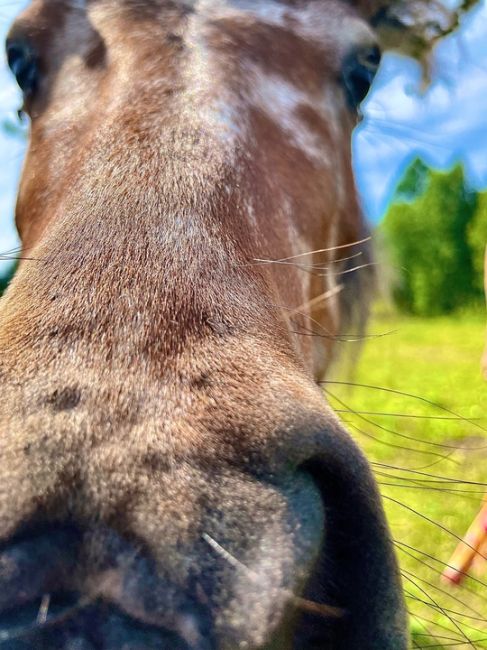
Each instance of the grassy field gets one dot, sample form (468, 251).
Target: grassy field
(428, 442)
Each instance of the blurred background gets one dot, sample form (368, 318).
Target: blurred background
(415, 399)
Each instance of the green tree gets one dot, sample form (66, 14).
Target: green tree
(477, 239)
(425, 232)
(413, 183)
(6, 276)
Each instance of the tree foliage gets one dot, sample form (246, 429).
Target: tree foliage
(477, 239)
(5, 276)
(429, 232)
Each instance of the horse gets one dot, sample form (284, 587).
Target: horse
(171, 474)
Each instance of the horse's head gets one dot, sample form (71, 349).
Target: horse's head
(170, 473)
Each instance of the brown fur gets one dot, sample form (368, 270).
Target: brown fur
(165, 451)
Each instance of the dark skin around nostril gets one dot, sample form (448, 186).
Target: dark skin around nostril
(78, 644)
(35, 566)
(117, 630)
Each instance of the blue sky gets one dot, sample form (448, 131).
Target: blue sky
(443, 125)
(446, 124)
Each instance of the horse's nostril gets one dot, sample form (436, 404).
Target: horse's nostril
(73, 622)
(116, 630)
(33, 566)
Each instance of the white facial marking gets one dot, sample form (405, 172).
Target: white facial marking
(331, 278)
(249, 206)
(207, 96)
(281, 101)
(310, 22)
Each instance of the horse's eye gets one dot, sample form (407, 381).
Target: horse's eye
(24, 65)
(358, 72)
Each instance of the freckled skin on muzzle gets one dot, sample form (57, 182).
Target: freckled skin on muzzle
(202, 552)
(170, 475)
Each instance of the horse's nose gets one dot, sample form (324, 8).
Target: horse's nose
(58, 593)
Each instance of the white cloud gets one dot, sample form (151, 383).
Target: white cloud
(445, 124)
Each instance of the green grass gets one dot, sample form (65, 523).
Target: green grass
(436, 360)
